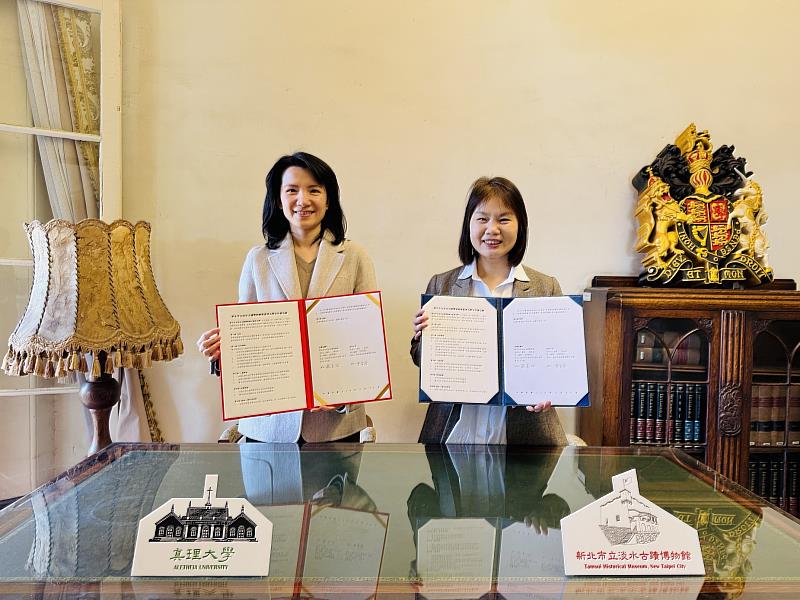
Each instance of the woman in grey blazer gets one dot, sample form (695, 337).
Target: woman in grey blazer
(305, 256)
(494, 235)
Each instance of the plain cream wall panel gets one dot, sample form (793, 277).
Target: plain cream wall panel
(410, 102)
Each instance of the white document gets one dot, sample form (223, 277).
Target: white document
(344, 544)
(544, 351)
(301, 354)
(287, 532)
(455, 557)
(459, 350)
(261, 358)
(526, 553)
(347, 349)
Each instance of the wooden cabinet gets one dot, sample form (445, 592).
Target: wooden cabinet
(648, 349)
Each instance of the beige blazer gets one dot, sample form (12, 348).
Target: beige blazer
(272, 275)
(522, 426)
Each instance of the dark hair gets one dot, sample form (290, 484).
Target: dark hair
(496, 187)
(274, 225)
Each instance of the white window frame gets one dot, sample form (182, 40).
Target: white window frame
(110, 138)
(110, 159)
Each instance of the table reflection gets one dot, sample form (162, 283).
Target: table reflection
(325, 525)
(360, 521)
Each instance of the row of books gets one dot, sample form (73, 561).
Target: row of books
(770, 405)
(766, 478)
(648, 339)
(652, 350)
(667, 413)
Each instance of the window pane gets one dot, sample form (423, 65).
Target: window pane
(770, 358)
(60, 47)
(66, 185)
(24, 193)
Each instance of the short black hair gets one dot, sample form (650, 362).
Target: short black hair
(495, 187)
(274, 225)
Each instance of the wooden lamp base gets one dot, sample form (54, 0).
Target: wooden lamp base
(99, 396)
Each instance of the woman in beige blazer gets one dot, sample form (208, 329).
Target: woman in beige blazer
(305, 256)
(494, 235)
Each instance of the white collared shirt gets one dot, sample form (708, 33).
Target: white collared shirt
(484, 424)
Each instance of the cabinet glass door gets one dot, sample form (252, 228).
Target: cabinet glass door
(669, 387)
(775, 414)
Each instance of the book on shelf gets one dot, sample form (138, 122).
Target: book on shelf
(774, 486)
(645, 339)
(658, 355)
(641, 410)
(794, 416)
(634, 411)
(652, 348)
(667, 413)
(764, 432)
(679, 409)
(778, 415)
(661, 413)
(669, 339)
(670, 433)
(771, 406)
(793, 504)
(766, 479)
(691, 408)
(754, 406)
(762, 478)
(700, 410)
(650, 413)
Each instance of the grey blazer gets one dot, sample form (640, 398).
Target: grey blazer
(272, 275)
(522, 426)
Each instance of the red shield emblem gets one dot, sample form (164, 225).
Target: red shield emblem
(709, 226)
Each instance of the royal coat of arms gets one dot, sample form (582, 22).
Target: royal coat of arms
(700, 216)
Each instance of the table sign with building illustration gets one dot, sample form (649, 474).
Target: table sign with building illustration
(203, 537)
(623, 533)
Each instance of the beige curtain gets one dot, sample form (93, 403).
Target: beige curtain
(63, 89)
(72, 181)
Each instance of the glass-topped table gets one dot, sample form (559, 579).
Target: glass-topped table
(389, 521)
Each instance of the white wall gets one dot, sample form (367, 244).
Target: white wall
(410, 102)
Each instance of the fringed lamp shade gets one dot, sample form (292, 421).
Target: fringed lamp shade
(94, 294)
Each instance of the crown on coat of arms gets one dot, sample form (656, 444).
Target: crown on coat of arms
(700, 216)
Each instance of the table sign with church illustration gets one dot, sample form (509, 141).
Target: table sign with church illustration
(624, 534)
(203, 537)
